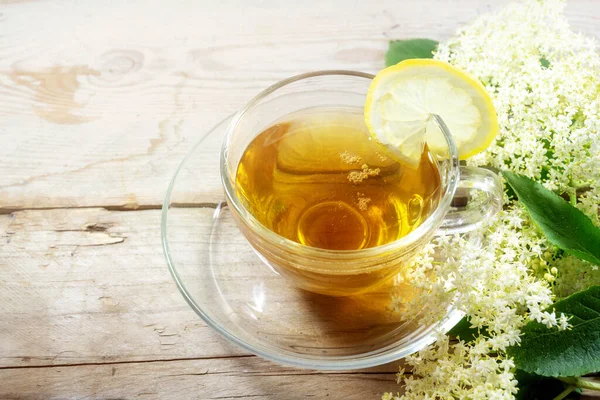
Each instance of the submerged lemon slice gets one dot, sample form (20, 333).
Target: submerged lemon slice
(402, 98)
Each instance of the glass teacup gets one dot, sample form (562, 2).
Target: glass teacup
(346, 272)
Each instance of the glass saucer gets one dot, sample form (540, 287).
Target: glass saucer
(239, 296)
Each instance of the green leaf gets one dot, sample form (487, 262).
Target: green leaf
(563, 224)
(572, 352)
(401, 50)
(463, 331)
(535, 387)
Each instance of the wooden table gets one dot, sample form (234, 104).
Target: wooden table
(99, 102)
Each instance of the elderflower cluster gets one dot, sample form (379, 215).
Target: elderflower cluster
(494, 286)
(575, 275)
(543, 79)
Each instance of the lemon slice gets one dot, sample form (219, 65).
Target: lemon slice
(402, 98)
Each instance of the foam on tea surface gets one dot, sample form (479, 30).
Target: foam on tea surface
(317, 178)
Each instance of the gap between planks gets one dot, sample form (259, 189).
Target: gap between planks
(293, 372)
(124, 362)
(125, 208)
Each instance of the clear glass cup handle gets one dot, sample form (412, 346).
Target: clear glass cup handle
(478, 197)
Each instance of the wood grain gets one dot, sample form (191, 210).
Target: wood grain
(99, 104)
(91, 286)
(89, 310)
(234, 378)
(87, 286)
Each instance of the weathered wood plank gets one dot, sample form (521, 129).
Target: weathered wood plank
(246, 377)
(99, 104)
(91, 285)
(237, 378)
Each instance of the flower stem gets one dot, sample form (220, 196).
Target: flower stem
(580, 383)
(573, 198)
(565, 392)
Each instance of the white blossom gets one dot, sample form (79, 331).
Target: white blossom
(544, 82)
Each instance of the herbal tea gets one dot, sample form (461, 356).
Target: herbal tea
(317, 178)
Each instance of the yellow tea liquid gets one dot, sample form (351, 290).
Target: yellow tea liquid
(317, 178)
